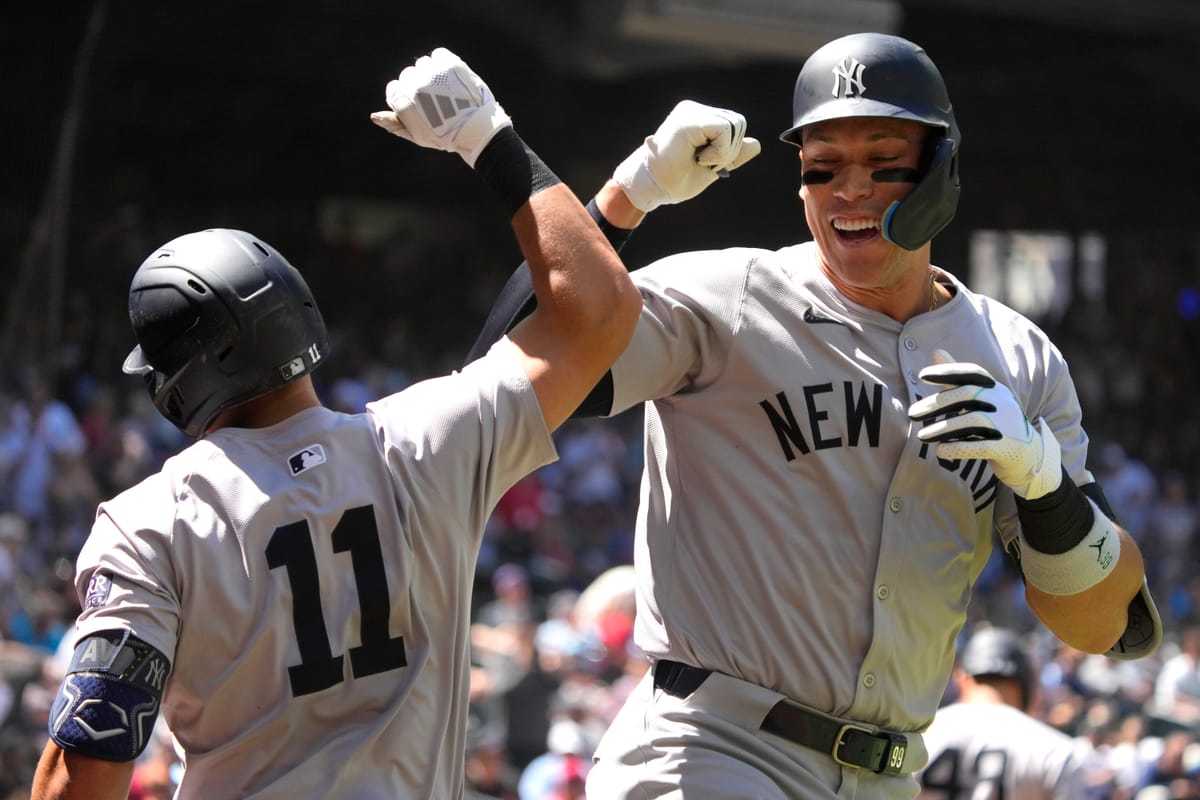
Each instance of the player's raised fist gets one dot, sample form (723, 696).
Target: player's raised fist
(690, 150)
(439, 102)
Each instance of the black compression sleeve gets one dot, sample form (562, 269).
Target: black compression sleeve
(1057, 522)
(513, 171)
(617, 237)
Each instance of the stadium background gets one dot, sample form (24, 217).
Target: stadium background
(129, 122)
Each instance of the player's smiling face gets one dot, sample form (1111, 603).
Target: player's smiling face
(854, 169)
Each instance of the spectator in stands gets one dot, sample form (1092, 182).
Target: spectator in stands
(1129, 485)
(1177, 686)
(40, 427)
(1171, 525)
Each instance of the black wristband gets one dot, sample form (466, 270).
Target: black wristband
(1055, 523)
(513, 171)
(617, 237)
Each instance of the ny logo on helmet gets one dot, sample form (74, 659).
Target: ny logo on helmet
(848, 78)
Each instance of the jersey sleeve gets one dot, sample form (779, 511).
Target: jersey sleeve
(1047, 391)
(464, 439)
(691, 303)
(124, 575)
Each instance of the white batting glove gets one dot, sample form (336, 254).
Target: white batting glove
(983, 420)
(690, 149)
(439, 102)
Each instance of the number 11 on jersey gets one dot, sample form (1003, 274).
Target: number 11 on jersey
(291, 547)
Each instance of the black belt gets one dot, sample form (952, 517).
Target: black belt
(848, 744)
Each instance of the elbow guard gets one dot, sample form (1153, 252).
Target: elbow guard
(109, 699)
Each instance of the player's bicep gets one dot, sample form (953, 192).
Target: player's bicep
(110, 696)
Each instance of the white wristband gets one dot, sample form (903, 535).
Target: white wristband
(1081, 567)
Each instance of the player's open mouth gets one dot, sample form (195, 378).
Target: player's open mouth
(856, 230)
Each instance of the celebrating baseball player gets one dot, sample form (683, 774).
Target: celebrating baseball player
(985, 745)
(292, 591)
(833, 432)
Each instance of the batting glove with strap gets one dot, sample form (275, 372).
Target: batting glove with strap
(687, 153)
(439, 102)
(976, 417)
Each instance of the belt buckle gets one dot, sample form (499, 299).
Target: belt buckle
(890, 760)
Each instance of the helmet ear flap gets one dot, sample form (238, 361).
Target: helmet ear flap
(932, 203)
(168, 397)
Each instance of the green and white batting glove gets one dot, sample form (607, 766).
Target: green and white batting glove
(976, 417)
(692, 147)
(439, 102)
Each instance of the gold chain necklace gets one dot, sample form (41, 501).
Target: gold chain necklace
(933, 295)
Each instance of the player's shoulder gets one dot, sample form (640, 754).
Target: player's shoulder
(1000, 316)
(492, 385)
(992, 327)
(499, 367)
(997, 721)
(697, 261)
(719, 273)
(169, 482)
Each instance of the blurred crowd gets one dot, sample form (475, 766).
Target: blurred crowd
(552, 641)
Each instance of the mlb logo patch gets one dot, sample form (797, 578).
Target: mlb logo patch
(306, 459)
(97, 592)
(292, 368)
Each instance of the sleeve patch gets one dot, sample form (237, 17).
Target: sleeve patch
(97, 592)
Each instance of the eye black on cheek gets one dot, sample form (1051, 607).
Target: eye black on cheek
(815, 176)
(896, 175)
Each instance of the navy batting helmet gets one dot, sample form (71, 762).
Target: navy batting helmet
(220, 318)
(998, 652)
(878, 75)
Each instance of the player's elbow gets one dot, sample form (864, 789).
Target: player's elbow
(607, 315)
(627, 307)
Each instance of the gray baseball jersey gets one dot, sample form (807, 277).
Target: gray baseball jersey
(310, 583)
(988, 751)
(793, 530)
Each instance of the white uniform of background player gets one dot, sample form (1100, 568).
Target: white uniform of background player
(804, 557)
(305, 575)
(985, 746)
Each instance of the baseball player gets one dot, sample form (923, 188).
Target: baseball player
(833, 432)
(985, 746)
(292, 591)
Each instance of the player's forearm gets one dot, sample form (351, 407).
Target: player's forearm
(581, 285)
(66, 776)
(1093, 620)
(616, 217)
